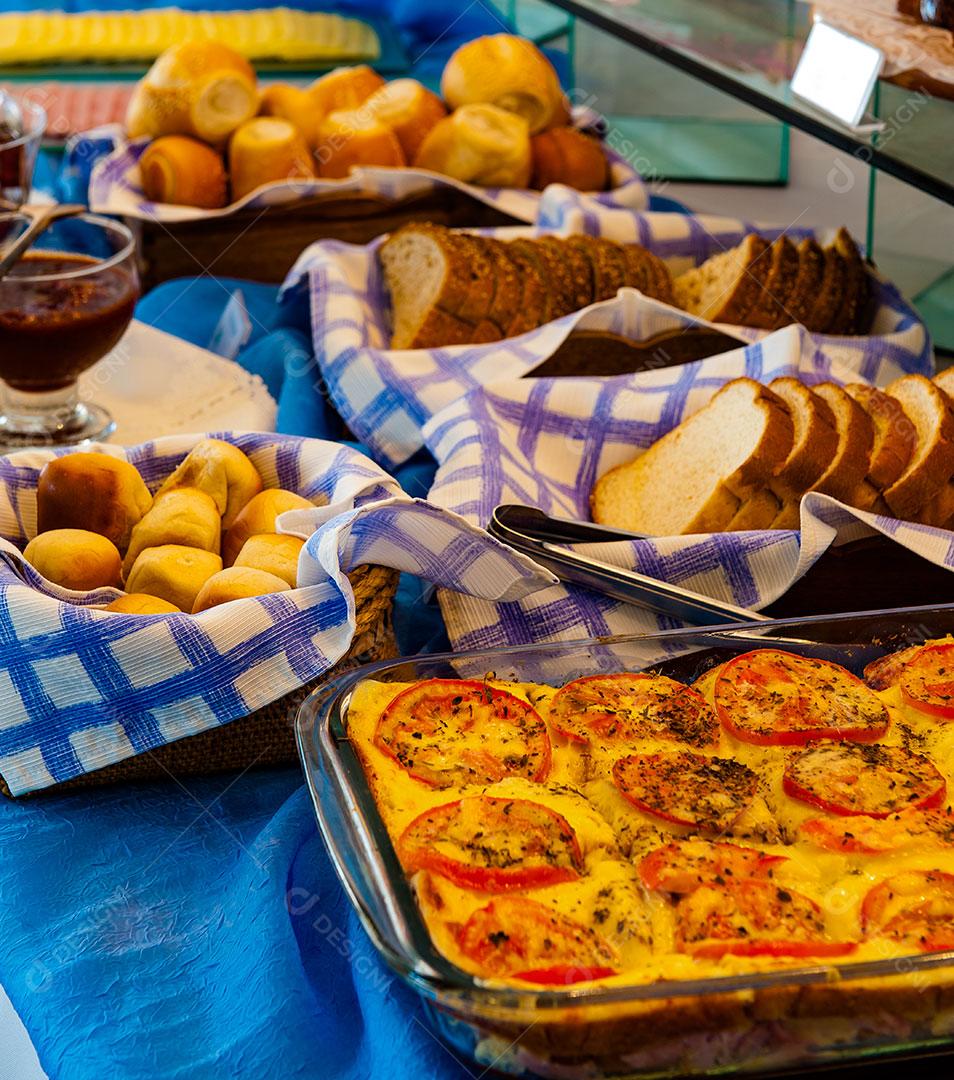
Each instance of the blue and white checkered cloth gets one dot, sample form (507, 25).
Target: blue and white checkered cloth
(81, 688)
(386, 396)
(545, 442)
(115, 186)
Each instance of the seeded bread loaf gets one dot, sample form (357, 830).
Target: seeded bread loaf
(770, 309)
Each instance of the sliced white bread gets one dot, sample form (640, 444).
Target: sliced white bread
(847, 476)
(929, 409)
(696, 476)
(894, 434)
(814, 447)
(945, 380)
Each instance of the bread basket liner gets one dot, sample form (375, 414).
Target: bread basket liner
(81, 689)
(386, 396)
(115, 186)
(551, 439)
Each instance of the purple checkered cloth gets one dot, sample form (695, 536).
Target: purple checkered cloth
(545, 442)
(386, 396)
(115, 186)
(81, 688)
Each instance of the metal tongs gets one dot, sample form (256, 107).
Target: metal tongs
(532, 532)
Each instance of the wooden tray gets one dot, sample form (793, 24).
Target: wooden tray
(262, 245)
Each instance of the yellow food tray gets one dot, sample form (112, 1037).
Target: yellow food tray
(282, 33)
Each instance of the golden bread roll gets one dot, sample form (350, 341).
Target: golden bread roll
(275, 553)
(562, 115)
(567, 156)
(351, 138)
(236, 583)
(141, 604)
(179, 169)
(344, 88)
(507, 71)
(221, 470)
(409, 109)
(266, 149)
(75, 558)
(479, 144)
(200, 88)
(259, 516)
(294, 104)
(183, 516)
(97, 492)
(173, 573)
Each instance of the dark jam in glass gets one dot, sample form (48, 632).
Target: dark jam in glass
(53, 328)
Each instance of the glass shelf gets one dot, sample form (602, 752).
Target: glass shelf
(750, 48)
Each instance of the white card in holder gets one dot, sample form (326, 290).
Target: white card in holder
(836, 73)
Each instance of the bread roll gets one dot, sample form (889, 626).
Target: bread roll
(141, 604)
(267, 149)
(75, 558)
(236, 583)
(183, 516)
(347, 139)
(275, 553)
(221, 470)
(173, 573)
(294, 104)
(567, 156)
(179, 169)
(344, 88)
(479, 144)
(507, 71)
(97, 492)
(259, 517)
(200, 88)
(409, 109)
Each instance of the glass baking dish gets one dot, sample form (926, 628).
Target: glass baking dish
(820, 1014)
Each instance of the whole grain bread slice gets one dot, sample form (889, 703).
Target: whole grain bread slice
(830, 292)
(726, 286)
(578, 266)
(929, 409)
(696, 476)
(894, 434)
(533, 303)
(811, 269)
(552, 271)
(854, 302)
(770, 308)
(648, 273)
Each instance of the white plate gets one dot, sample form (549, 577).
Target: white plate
(156, 384)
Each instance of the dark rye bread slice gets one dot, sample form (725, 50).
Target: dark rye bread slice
(811, 268)
(694, 478)
(508, 285)
(895, 437)
(830, 293)
(770, 307)
(647, 272)
(578, 266)
(553, 272)
(854, 300)
(726, 286)
(606, 264)
(931, 466)
(533, 303)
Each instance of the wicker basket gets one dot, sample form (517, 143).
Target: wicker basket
(267, 736)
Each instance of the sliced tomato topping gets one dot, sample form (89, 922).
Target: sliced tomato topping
(492, 844)
(775, 698)
(752, 918)
(927, 682)
(564, 975)
(874, 780)
(872, 836)
(625, 707)
(454, 732)
(684, 865)
(915, 908)
(689, 789)
(886, 671)
(516, 936)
